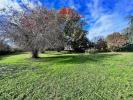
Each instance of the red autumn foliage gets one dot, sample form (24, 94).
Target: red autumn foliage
(66, 11)
(69, 13)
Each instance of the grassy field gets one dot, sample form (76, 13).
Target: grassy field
(58, 76)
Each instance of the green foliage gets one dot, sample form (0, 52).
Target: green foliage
(127, 48)
(129, 31)
(101, 45)
(4, 48)
(81, 44)
(75, 35)
(58, 76)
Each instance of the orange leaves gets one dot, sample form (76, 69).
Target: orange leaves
(70, 14)
(66, 11)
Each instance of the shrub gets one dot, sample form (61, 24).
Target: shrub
(92, 51)
(4, 48)
(127, 48)
(101, 45)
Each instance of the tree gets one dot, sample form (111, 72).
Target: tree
(116, 41)
(100, 44)
(75, 35)
(129, 31)
(35, 29)
(80, 42)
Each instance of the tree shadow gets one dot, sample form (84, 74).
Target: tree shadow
(76, 58)
(62, 58)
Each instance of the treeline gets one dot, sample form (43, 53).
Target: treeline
(42, 29)
(116, 41)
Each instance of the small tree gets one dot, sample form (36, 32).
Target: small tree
(80, 42)
(101, 44)
(34, 30)
(116, 41)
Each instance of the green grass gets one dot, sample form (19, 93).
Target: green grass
(58, 76)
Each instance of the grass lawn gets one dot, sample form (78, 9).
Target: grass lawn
(58, 76)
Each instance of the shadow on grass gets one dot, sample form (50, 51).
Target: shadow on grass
(12, 70)
(11, 54)
(75, 58)
(62, 58)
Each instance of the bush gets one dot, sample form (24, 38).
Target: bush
(4, 52)
(127, 48)
(101, 45)
(92, 51)
(4, 48)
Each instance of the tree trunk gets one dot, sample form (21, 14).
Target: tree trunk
(35, 53)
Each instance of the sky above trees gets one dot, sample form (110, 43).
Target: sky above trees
(103, 16)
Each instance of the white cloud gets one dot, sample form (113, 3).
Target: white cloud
(31, 4)
(16, 5)
(95, 9)
(105, 23)
(4, 3)
(71, 4)
(8, 3)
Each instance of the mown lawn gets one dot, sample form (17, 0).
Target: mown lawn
(58, 76)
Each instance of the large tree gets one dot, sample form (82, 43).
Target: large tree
(116, 41)
(74, 33)
(34, 29)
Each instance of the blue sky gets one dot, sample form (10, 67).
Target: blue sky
(103, 16)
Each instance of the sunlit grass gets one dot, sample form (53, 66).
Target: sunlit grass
(59, 76)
